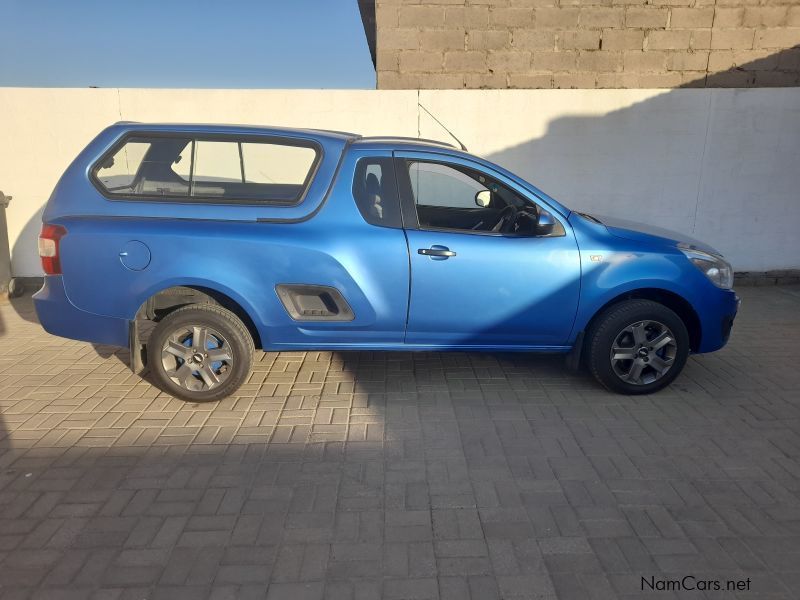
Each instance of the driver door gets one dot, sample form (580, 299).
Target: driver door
(473, 285)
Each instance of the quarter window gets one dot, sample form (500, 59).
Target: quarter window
(375, 191)
(246, 170)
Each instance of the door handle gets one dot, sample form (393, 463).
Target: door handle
(440, 251)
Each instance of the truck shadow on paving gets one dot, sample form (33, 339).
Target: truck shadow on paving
(325, 476)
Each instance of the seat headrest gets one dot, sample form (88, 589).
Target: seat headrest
(373, 185)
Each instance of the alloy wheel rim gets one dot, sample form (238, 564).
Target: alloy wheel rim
(643, 352)
(197, 358)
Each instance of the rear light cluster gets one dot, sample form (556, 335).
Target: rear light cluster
(49, 240)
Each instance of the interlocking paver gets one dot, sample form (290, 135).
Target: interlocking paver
(394, 475)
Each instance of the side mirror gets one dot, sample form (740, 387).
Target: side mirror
(546, 223)
(483, 198)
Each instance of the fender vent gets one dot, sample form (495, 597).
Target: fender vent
(314, 302)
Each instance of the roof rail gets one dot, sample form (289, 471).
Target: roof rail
(336, 131)
(401, 138)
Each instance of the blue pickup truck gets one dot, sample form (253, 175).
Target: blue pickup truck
(195, 245)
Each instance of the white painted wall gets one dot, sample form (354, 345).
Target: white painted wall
(723, 165)
(720, 164)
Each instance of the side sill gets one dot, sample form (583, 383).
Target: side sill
(420, 348)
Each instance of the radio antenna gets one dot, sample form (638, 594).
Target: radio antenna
(452, 135)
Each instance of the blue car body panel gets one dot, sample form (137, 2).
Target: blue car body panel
(498, 292)
(60, 317)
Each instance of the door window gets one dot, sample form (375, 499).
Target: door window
(435, 184)
(458, 198)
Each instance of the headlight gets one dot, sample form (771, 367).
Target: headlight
(713, 266)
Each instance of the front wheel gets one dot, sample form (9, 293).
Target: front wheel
(637, 347)
(200, 353)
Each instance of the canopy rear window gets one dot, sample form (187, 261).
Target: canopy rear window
(207, 169)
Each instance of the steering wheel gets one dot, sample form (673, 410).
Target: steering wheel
(508, 217)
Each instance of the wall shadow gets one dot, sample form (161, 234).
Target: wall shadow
(27, 241)
(709, 181)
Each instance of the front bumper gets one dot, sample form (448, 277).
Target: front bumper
(716, 320)
(60, 317)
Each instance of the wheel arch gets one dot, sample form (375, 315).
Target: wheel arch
(675, 302)
(161, 302)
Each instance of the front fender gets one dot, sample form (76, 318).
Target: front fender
(612, 267)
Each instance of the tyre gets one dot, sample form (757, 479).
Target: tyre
(200, 353)
(637, 347)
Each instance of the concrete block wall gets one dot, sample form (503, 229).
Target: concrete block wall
(451, 44)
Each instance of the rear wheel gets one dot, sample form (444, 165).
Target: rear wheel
(637, 347)
(200, 353)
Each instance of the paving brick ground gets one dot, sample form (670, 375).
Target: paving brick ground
(367, 475)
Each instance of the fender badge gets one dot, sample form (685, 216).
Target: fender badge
(596, 257)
